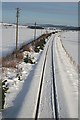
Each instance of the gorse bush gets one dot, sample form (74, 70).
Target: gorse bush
(11, 61)
(4, 90)
(28, 59)
(37, 49)
(9, 64)
(39, 45)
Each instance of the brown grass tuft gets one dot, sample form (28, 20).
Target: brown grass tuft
(11, 61)
(28, 48)
(20, 56)
(9, 64)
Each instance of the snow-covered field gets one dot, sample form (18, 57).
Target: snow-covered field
(27, 90)
(8, 41)
(71, 43)
(22, 95)
(66, 82)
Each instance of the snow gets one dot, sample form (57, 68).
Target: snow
(71, 43)
(9, 37)
(0, 115)
(66, 82)
(46, 108)
(22, 95)
(27, 97)
(13, 83)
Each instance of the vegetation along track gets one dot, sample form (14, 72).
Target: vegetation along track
(54, 87)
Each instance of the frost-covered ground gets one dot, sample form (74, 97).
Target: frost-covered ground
(66, 78)
(13, 83)
(28, 93)
(71, 43)
(21, 98)
(8, 40)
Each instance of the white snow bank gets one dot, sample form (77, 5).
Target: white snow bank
(24, 105)
(71, 43)
(0, 115)
(13, 83)
(8, 39)
(66, 82)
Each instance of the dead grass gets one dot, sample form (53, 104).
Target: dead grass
(9, 64)
(11, 61)
(28, 48)
(20, 56)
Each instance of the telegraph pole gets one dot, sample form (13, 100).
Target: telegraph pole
(35, 31)
(41, 31)
(17, 20)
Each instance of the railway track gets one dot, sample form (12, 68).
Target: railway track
(42, 93)
(54, 86)
(54, 89)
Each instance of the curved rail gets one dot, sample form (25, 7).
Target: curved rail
(38, 102)
(54, 87)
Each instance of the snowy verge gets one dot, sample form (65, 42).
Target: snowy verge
(13, 83)
(71, 43)
(66, 82)
(24, 104)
